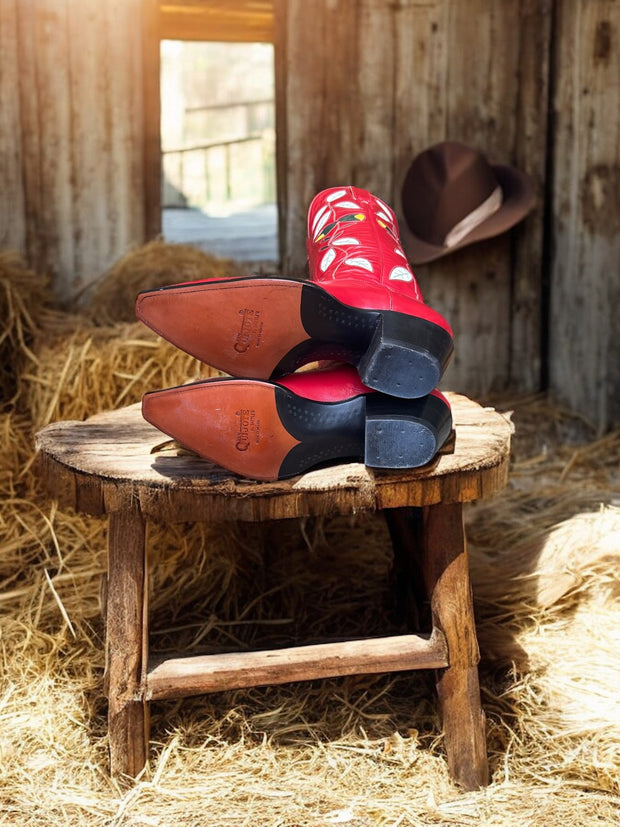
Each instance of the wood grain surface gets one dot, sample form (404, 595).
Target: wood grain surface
(111, 460)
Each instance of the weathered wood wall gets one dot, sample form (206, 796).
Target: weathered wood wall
(584, 341)
(369, 84)
(12, 207)
(72, 134)
(362, 87)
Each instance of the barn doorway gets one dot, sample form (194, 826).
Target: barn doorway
(219, 148)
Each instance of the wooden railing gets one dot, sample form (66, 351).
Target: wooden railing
(219, 171)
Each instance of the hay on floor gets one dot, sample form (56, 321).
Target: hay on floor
(96, 368)
(156, 264)
(24, 298)
(359, 751)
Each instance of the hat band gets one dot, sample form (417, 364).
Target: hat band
(475, 218)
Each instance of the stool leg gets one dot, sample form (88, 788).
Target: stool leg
(446, 571)
(126, 642)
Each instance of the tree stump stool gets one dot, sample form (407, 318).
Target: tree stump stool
(106, 466)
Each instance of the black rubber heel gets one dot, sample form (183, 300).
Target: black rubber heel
(404, 433)
(406, 356)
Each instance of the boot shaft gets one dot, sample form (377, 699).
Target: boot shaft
(353, 236)
(334, 383)
(326, 383)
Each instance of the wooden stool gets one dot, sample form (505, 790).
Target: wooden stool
(105, 465)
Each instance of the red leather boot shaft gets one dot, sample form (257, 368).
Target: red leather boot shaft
(354, 252)
(327, 384)
(333, 384)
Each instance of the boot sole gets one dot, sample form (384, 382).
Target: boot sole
(263, 328)
(264, 431)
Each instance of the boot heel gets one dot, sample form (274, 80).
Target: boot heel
(406, 356)
(405, 433)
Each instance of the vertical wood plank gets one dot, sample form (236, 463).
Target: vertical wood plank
(152, 161)
(26, 78)
(88, 183)
(339, 61)
(320, 64)
(529, 154)
(82, 158)
(585, 288)
(12, 221)
(481, 87)
(420, 47)
(301, 90)
(126, 122)
(373, 123)
(126, 643)
(280, 51)
(46, 131)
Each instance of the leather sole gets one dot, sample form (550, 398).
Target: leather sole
(264, 431)
(263, 328)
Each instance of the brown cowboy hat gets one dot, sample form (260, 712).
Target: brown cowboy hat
(452, 196)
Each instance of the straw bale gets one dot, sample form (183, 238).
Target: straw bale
(24, 297)
(101, 368)
(154, 264)
(548, 565)
(39, 545)
(15, 451)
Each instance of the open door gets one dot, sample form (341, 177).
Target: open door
(214, 120)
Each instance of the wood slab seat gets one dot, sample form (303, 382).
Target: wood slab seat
(106, 466)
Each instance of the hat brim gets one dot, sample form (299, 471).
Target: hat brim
(518, 199)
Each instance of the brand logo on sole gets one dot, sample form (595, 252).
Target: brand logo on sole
(250, 327)
(248, 429)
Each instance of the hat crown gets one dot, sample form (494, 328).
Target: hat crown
(443, 186)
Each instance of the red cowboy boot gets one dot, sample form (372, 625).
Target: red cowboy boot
(272, 430)
(363, 306)
(355, 254)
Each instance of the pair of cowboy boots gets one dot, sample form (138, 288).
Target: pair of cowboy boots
(361, 311)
